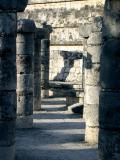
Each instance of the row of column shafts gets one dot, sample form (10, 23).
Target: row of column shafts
(31, 46)
(101, 77)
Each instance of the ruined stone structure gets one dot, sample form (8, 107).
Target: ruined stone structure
(8, 18)
(76, 52)
(25, 53)
(66, 19)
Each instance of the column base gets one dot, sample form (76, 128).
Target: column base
(7, 152)
(23, 122)
(91, 135)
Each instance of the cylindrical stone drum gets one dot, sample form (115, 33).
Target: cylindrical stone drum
(24, 60)
(109, 112)
(92, 81)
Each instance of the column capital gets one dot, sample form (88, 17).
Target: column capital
(26, 26)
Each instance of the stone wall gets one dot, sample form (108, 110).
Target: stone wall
(65, 67)
(66, 18)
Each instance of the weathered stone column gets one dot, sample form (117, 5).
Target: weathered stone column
(25, 52)
(37, 69)
(8, 18)
(45, 47)
(92, 85)
(109, 116)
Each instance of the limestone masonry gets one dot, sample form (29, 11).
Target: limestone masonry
(60, 79)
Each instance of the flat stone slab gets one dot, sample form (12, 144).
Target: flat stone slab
(65, 88)
(60, 84)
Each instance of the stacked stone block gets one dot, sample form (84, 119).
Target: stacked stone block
(25, 53)
(8, 18)
(92, 81)
(109, 115)
(45, 47)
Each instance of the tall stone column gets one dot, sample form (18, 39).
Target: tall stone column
(25, 52)
(37, 69)
(8, 18)
(45, 53)
(91, 84)
(109, 115)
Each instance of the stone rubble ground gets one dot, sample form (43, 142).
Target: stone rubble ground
(57, 134)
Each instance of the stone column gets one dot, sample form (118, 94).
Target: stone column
(37, 69)
(8, 18)
(45, 47)
(109, 116)
(91, 84)
(25, 52)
